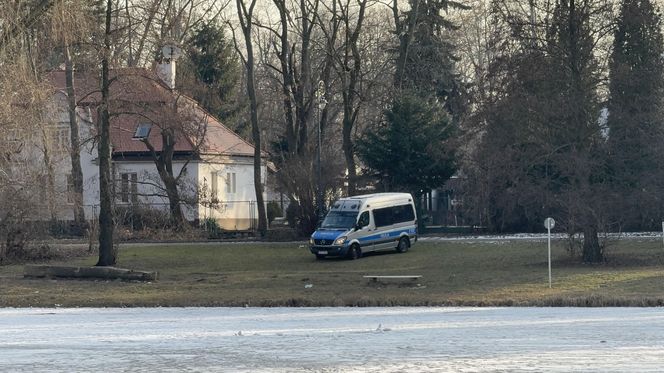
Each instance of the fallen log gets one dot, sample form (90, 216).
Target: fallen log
(106, 273)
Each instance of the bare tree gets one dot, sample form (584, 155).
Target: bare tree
(295, 60)
(246, 17)
(148, 24)
(349, 69)
(179, 121)
(70, 25)
(19, 17)
(291, 42)
(107, 252)
(22, 98)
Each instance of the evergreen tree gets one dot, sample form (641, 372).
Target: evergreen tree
(426, 59)
(543, 153)
(508, 179)
(413, 149)
(575, 151)
(216, 71)
(636, 98)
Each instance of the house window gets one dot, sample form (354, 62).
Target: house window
(142, 131)
(231, 184)
(213, 185)
(128, 187)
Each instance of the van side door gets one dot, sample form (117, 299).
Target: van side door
(364, 231)
(383, 218)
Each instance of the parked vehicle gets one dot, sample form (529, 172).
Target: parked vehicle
(371, 222)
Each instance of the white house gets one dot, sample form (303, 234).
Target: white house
(217, 163)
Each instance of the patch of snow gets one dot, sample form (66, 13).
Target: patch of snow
(538, 237)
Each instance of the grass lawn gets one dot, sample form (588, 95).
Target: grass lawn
(453, 273)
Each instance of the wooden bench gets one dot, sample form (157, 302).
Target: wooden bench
(375, 278)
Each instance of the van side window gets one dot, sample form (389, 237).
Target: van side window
(383, 217)
(403, 213)
(393, 215)
(363, 221)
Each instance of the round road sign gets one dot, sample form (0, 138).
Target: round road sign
(549, 223)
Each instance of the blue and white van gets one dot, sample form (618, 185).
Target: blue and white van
(356, 225)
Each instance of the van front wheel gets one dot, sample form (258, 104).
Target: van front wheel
(403, 245)
(354, 252)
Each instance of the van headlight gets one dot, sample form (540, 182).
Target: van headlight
(340, 240)
(311, 241)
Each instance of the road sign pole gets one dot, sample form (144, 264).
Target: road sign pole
(549, 223)
(549, 229)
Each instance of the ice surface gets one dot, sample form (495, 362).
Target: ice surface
(332, 339)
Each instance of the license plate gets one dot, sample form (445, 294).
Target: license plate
(322, 252)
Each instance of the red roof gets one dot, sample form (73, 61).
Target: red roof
(139, 96)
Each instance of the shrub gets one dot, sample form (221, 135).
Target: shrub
(15, 207)
(137, 217)
(303, 221)
(293, 214)
(212, 228)
(273, 211)
(60, 228)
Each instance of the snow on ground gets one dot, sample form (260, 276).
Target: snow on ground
(538, 236)
(332, 340)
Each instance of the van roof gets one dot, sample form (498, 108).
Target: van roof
(355, 203)
(392, 195)
(377, 197)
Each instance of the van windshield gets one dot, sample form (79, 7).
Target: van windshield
(340, 219)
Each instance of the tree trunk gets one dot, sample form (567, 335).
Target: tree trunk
(405, 29)
(75, 151)
(349, 154)
(246, 23)
(177, 217)
(285, 58)
(592, 251)
(351, 95)
(417, 200)
(164, 163)
(107, 255)
(304, 96)
(50, 175)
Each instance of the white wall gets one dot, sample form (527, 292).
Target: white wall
(150, 188)
(233, 211)
(53, 134)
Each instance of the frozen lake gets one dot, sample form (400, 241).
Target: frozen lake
(332, 339)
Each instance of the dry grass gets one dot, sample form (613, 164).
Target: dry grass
(454, 273)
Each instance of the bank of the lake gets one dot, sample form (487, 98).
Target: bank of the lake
(454, 273)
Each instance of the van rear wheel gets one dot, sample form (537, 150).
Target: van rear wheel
(355, 252)
(403, 245)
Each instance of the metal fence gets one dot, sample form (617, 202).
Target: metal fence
(231, 215)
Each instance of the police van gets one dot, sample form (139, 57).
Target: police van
(371, 222)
